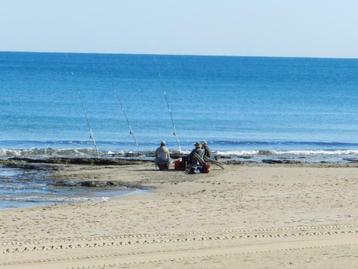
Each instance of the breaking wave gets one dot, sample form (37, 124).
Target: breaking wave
(48, 152)
(84, 149)
(90, 153)
(286, 152)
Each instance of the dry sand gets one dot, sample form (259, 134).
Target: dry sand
(242, 217)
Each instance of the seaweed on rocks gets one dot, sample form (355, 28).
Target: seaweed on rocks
(351, 160)
(85, 161)
(234, 162)
(27, 166)
(273, 161)
(96, 184)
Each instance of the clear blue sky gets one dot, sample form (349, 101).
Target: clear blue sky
(322, 28)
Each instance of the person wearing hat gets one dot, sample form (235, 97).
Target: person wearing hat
(196, 156)
(162, 156)
(207, 150)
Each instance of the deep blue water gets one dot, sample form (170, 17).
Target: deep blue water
(236, 103)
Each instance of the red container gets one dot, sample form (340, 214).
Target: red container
(163, 166)
(179, 165)
(206, 168)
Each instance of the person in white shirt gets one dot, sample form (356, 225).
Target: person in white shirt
(162, 156)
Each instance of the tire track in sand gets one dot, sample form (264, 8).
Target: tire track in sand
(209, 242)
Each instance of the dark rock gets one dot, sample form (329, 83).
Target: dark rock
(272, 161)
(86, 161)
(352, 160)
(26, 166)
(246, 157)
(224, 156)
(95, 184)
(91, 184)
(235, 162)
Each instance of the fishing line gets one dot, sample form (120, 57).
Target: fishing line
(165, 96)
(88, 123)
(125, 115)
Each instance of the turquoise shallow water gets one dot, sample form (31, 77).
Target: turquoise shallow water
(21, 189)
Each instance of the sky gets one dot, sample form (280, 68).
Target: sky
(300, 28)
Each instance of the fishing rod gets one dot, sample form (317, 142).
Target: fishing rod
(88, 123)
(168, 106)
(89, 127)
(124, 112)
(172, 119)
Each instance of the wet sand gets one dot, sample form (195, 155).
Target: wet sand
(247, 216)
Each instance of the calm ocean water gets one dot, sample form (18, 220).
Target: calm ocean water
(238, 104)
(258, 107)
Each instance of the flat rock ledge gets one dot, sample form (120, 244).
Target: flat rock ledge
(96, 184)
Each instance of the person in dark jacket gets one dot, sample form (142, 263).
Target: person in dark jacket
(207, 150)
(196, 156)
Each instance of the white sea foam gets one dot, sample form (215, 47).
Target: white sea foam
(87, 153)
(286, 152)
(47, 152)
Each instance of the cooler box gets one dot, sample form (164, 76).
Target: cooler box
(179, 165)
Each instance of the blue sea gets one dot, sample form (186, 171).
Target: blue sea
(235, 103)
(251, 107)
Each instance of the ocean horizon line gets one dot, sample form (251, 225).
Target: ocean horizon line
(183, 55)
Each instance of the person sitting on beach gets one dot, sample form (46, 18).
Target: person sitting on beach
(196, 160)
(162, 156)
(207, 150)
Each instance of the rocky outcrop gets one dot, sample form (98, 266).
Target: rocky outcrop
(95, 184)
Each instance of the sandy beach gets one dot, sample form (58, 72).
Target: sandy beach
(103, 102)
(246, 216)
